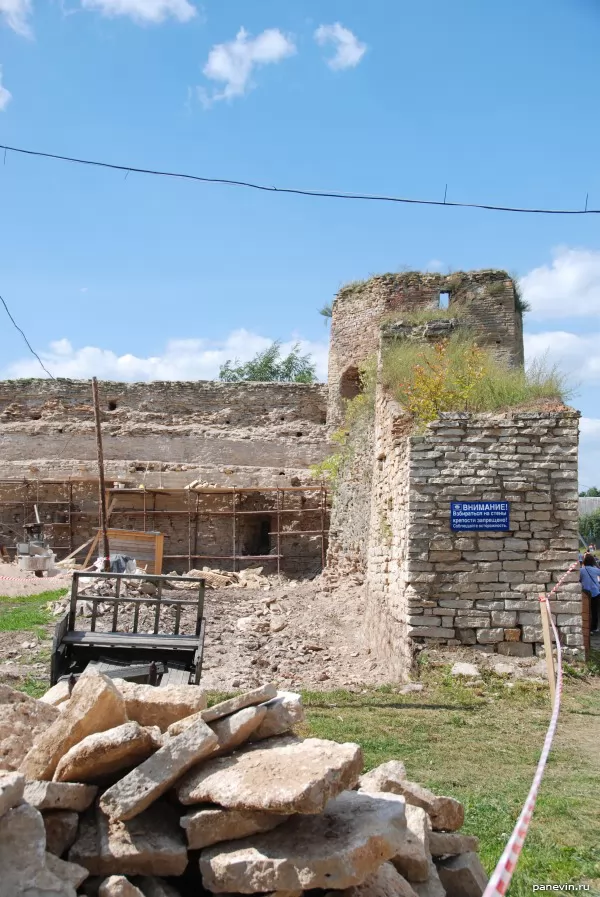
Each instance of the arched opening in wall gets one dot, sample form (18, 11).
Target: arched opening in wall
(350, 383)
(112, 405)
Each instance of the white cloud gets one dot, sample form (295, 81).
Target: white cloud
(348, 49)
(578, 355)
(154, 11)
(569, 287)
(589, 452)
(232, 63)
(16, 15)
(5, 95)
(185, 359)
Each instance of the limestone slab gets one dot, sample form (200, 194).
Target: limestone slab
(57, 695)
(443, 844)
(412, 860)
(386, 777)
(433, 887)
(283, 713)
(150, 844)
(284, 775)
(210, 825)
(60, 795)
(95, 706)
(21, 720)
(12, 786)
(337, 849)
(385, 882)
(61, 830)
(463, 876)
(465, 669)
(446, 813)
(232, 705)
(132, 794)
(23, 867)
(104, 753)
(118, 886)
(150, 706)
(232, 731)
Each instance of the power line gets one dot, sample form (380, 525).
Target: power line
(325, 194)
(33, 352)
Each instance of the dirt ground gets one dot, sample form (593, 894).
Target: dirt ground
(297, 633)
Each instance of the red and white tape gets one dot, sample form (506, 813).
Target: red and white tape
(502, 874)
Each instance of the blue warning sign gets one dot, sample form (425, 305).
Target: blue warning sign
(480, 515)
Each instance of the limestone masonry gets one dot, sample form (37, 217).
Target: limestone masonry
(425, 584)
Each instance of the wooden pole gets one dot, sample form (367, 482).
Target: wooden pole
(545, 611)
(101, 476)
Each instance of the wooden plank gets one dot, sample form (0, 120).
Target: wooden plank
(77, 550)
(92, 548)
(131, 640)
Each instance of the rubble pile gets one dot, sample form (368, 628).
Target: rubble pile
(124, 790)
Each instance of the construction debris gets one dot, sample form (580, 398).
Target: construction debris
(210, 807)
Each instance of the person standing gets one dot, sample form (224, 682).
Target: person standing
(590, 585)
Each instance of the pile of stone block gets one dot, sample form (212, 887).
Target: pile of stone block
(124, 790)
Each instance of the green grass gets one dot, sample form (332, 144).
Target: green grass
(465, 378)
(482, 745)
(27, 612)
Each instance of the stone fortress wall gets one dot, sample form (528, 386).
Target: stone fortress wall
(425, 585)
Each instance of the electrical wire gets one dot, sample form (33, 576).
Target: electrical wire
(33, 352)
(324, 194)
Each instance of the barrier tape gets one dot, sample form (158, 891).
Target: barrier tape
(503, 873)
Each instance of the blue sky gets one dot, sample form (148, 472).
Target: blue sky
(139, 277)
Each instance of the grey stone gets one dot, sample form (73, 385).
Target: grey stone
(386, 882)
(210, 825)
(132, 794)
(150, 706)
(150, 844)
(412, 860)
(233, 731)
(433, 887)
(465, 669)
(23, 867)
(337, 849)
(104, 753)
(61, 830)
(118, 886)
(95, 705)
(22, 719)
(156, 887)
(284, 775)
(12, 786)
(60, 795)
(248, 699)
(515, 649)
(282, 713)
(451, 843)
(463, 876)
(384, 777)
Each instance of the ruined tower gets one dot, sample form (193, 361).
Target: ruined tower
(489, 305)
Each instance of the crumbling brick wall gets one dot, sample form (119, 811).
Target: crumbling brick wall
(428, 586)
(488, 300)
(211, 424)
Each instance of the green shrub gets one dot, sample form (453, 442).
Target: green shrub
(457, 375)
(589, 527)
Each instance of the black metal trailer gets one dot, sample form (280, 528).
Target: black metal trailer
(155, 657)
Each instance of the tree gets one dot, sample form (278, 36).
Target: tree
(592, 492)
(327, 311)
(589, 527)
(269, 365)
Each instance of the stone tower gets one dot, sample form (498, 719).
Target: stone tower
(489, 306)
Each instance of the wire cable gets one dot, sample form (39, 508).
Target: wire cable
(324, 194)
(33, 352)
